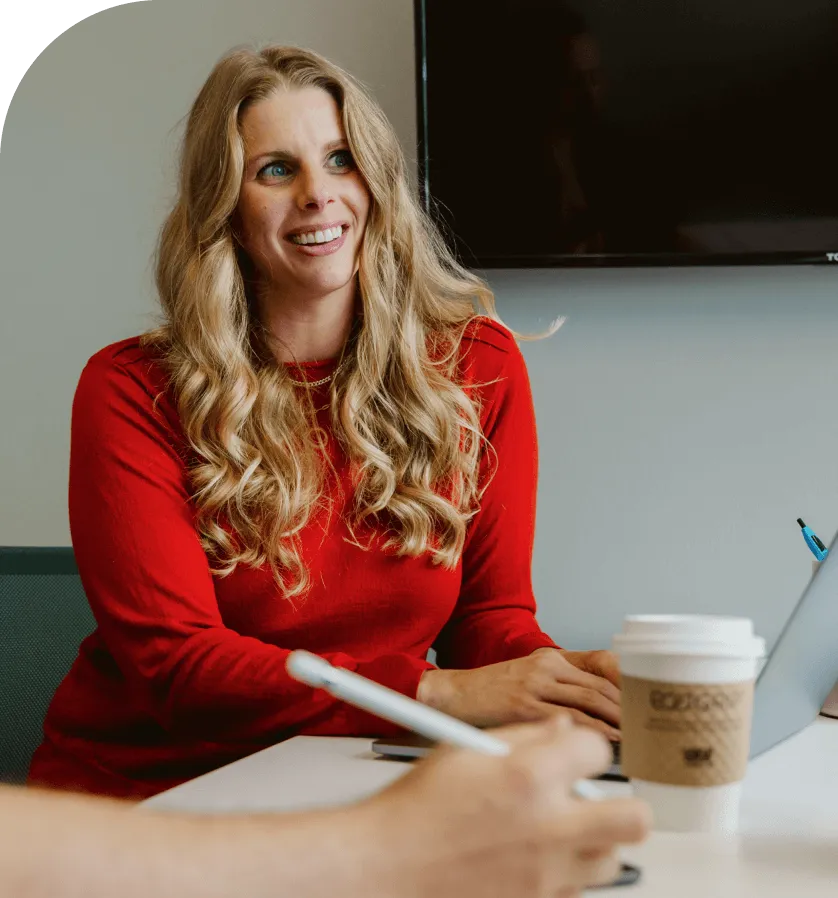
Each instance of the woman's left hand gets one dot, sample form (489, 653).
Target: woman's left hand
(600, 663)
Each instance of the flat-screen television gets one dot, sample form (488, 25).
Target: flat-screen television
(630, 132)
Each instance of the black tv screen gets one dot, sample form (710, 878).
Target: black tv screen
(609, 132)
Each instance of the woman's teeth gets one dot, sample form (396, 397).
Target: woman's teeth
(326, 236)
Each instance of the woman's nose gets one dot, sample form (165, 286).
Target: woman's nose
(315, 190)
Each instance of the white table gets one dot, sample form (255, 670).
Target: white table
(788, 846)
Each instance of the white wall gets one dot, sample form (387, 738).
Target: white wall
(685, 416)
(86, 179)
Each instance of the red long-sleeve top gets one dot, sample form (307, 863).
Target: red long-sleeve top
(186, 670)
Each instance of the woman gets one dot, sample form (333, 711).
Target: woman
(322, 447)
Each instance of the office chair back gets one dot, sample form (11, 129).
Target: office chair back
(44, 616)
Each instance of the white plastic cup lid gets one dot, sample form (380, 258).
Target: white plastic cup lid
(689, 634)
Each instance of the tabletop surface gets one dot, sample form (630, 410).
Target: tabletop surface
(787, 846)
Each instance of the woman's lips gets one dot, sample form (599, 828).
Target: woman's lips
(321, 249)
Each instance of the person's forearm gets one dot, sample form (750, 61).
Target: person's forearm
(492, 635)
(228, 688)
(60, 846)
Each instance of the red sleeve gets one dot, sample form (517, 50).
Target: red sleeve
(148, 580)
(494, 619)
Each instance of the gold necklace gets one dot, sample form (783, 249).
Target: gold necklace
(313, 383)
(323, 380)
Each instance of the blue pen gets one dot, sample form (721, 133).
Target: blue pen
(818, 549)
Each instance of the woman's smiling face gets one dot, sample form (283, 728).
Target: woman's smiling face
(303, 205)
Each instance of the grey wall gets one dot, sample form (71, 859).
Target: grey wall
(685, 422)
(685, 416)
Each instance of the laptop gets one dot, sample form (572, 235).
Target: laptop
(800, 672)
(410, 746)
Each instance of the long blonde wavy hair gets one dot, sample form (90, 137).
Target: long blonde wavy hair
(409, 429)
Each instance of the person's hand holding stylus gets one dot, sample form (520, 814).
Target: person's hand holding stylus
(510, 825)
(535, 773)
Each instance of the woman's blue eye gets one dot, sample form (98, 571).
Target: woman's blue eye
(270, 170)
(346, 156)
(343, 158)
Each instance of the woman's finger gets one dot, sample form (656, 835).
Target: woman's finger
(600, 663)
(563, 670)
(582, 698)
(594, 723)
(609, 667)
(571, 674)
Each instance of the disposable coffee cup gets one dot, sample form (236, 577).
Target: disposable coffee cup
(687, 704)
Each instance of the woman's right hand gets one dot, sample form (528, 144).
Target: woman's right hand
(538, 686)
(466, 825)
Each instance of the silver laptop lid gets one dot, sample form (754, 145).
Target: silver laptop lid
(802, 668)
